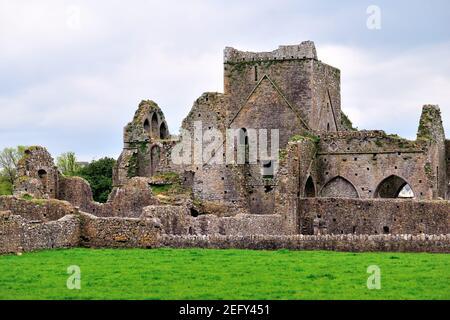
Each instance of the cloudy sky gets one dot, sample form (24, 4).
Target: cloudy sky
(73, 72)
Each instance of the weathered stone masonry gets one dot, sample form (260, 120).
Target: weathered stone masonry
(332, 180)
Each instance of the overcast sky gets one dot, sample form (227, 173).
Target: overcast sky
(73, 72)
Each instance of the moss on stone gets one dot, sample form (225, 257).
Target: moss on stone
(305, 136)
(161, 188)
(39, 202)
(132, 166)
(27, 196)
(429, 115)
(282, 154)
(428, 170)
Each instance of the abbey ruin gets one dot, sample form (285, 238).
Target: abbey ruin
(322, 185)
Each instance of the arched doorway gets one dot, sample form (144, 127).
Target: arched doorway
(339, 187)
(394, 187)
(310, 189)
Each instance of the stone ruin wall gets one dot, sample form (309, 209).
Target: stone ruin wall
(27, 225)
(37, 174)
(39, 210)
(147, 144)
(364, 161)
(305, 83)
(352, 243)
(447, 148)
(114, 232)
(212, 182)
(177, 220)
(18, 234)
(124, 201)
(375, 216)
(319, 162)
(326, 98)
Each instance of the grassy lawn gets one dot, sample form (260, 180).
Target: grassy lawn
(223, 274)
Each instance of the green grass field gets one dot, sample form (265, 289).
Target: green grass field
(223, 274)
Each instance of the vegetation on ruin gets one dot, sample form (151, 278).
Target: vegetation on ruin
(222, 274)
(6, 188)
(169, 177)
(282, 154)
(27, 196)
(161, 188)
(346, 122)
(166, 185)
(133, 166)
(99, 175)
(305, 136)
(424, 131)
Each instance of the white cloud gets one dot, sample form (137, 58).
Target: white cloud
(382, 91)
(75, 89)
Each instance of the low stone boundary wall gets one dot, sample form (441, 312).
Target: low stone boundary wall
(18, 234)
(355, 243)
(116, 232)
(375, 216)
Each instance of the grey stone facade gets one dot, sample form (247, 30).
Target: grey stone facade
(331, 178)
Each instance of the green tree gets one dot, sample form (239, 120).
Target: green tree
(6, 188)
(67, 164)
(9, 158)
(99, 174)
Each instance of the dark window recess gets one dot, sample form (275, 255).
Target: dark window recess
(194, 212)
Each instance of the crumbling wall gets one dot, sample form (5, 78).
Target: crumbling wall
(178, 220)
(77, 191)
(211, 178)
(36, 209)
(326, 98)
(297, 171)
(145, 139)
(113, 232)
(355, 243)
(375, 216)
(18, 234)
(37, 174)
(447, 147)
(10, 232)
(364, 159)
(431, 131)
(124, 201)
